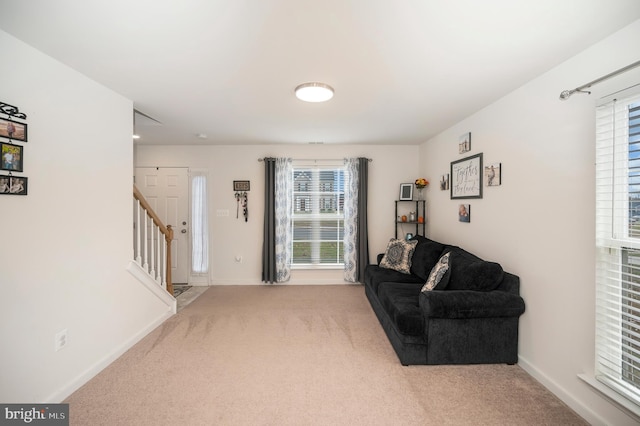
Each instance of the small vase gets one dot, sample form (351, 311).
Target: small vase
(420, 195)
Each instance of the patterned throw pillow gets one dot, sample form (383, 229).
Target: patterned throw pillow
(398, 255)
(437, 273)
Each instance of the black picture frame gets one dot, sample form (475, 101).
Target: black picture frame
(406, 192)
(241, 185)
(13, 185)
(13, 130)
(11, 157)
(466, 178)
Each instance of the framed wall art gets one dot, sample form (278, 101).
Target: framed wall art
(466, 177)
(464, 143)
(493, 174)
(444, 182)
(406, 192)
(13, 185)
(10, 157)
(13, 130)
(464, 213)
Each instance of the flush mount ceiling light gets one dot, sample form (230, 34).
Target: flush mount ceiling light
(314, 92)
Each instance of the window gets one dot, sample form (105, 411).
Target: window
(618, 246)
(318, 216)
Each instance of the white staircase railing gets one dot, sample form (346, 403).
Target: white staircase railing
(152, 242)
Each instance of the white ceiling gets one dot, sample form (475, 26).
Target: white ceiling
(402, 70)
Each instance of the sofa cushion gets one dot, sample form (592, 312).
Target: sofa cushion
(425, 256)
(374, 275)
(402, 303)
(469, 272)
(398, 255)
(438, 277)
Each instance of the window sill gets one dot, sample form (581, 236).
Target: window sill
(311, 266)
(620, 401)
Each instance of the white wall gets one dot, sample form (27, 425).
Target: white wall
(232, 237)
(65, 245)
(540, 223)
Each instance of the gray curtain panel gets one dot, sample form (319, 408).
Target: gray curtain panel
(269, 274)
(276, 248)
(363, 230)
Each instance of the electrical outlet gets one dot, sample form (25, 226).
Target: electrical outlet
(60, 340)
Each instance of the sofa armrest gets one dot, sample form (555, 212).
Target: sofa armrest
(470, 304)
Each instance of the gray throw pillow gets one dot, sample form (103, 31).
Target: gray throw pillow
(437, 273)
(398, 255)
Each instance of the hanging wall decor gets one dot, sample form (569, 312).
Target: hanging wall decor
(13, 185)
(466, 177)
(464, 143)
(13, 130)
(493, 174)
(11, 157)
(241, 187)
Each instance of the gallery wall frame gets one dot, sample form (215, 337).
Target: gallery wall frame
(13, 130)
(13, 185)
(11, 158)
(444, 182)
(466, 177)
(464, 143)
(493, 174)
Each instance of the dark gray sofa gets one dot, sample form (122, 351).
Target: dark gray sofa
(470, 317)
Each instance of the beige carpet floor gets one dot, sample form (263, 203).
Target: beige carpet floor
(298, 355)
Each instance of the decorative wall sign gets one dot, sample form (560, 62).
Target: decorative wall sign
(10, 157)
(13, 185)
(13, 130)
(241, 185)
(493, 174)
(466, 177)
(464, 143)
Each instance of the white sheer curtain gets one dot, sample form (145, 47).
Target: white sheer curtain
(283, 211)
(350, 239)
(199, 224)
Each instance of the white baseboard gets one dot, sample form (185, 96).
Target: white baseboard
(578, 406)
(291, 282)
(103, 363)
(150, 284)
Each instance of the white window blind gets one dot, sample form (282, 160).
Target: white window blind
(618, 246)
(318, 215)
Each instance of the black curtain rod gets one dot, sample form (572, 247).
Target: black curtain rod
(316, 159)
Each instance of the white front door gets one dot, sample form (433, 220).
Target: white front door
(167, 191)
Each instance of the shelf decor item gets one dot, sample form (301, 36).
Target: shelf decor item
(406, 192)
(421, 184)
